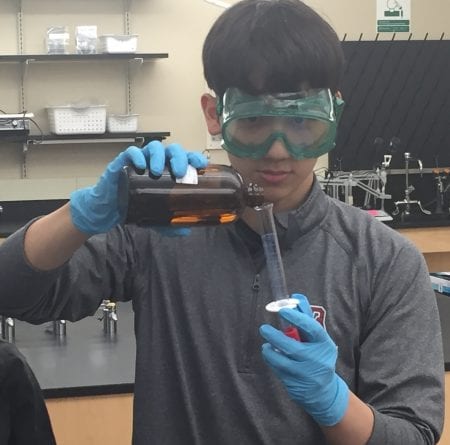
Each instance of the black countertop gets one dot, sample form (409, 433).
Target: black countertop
(443, 302)
(416, 221)
(84, 362)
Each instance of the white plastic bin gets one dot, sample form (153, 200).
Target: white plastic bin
(114, 43)
(70, 119)
(122, 123)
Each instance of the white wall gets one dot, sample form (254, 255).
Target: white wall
(165, 92)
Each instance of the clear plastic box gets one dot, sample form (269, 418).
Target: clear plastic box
(86, 39)
(57, 40)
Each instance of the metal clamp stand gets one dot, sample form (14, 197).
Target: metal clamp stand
(109, 317)
(440, 191)
(60, 328)
(383, 177)
(7, 329)
(407, 202)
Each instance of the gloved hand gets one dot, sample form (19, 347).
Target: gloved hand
(96, 209)
(307, 368)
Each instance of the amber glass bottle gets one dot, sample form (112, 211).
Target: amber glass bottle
(218, 198)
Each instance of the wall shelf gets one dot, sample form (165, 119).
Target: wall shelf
(37, 139)
(138, 137)
(27, 141)
(27, 58)
(131, 61)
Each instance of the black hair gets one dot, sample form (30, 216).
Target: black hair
(269, 46)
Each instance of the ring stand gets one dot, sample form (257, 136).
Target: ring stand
(403, 208)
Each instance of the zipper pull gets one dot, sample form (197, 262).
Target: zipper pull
(255, 285)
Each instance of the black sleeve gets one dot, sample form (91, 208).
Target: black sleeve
(24, 417)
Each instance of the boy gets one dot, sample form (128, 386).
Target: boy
(370, 368)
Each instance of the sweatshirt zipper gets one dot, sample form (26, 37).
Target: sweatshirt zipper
(251, 330)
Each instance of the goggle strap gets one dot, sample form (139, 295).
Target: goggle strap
(338, 107)
(219, 106)
(337, 102)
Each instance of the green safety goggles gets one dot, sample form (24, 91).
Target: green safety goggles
(304, 121)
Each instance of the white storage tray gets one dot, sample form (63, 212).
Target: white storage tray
(122, 123)
(112, 43)
(68, 119)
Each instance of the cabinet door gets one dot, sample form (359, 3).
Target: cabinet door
(96, 420)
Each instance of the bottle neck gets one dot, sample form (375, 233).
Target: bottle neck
(253, 195)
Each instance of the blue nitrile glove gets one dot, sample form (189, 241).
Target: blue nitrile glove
(96, 209)
(307, 368)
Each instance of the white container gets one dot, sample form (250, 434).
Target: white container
(122, 123)
(113, 43)
(70, 119)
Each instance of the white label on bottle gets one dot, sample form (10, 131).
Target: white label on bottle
(191, 176)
